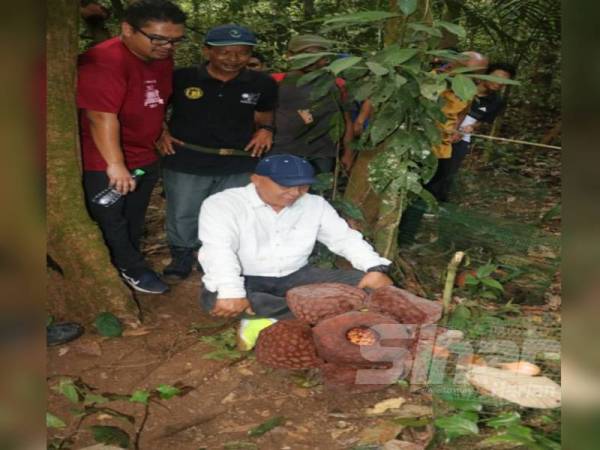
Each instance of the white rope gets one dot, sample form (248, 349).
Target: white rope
(515, 141)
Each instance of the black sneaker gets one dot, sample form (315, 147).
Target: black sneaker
(181, 265)
(144, 280)
(60, 333)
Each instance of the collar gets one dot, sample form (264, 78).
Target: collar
(244, 75)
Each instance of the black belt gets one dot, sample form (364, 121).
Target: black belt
(217, 151)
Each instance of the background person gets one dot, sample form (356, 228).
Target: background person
(303, 125)
(257, 62)
(124, 84)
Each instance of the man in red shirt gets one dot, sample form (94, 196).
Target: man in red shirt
(124, 85)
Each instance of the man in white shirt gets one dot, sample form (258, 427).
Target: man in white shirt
(256, 241)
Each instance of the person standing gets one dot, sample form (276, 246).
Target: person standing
(303, 124)
(221, 123)
(124, 84)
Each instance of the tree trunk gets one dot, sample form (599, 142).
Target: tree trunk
(309, 9)
(88, 282)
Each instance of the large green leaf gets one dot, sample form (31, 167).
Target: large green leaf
(339, 65)
(309, 77)
(140, 396)
(425, 29)
(360, 18)
(110, 435)
(431, 88)
(494, 79)
(457, 425)
(486, 270)
(384, 123)
(306, 59)
(348, 209)
(407, 7)
(452, 28)
(394, 55)
(364, 91)
(377, 69)
(463, 87)
(491, 283)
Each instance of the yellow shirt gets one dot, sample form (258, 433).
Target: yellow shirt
(452, 109)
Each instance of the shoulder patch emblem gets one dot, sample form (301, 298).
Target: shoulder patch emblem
(193, 93)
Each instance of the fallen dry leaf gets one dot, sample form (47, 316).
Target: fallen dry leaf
(390, 403)
(522, 367)
(524, 390)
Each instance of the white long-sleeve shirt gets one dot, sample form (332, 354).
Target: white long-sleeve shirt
(242, 235)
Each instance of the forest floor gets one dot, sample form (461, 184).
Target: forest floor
(222, 399)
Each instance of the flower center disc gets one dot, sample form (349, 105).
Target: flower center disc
(362, 336)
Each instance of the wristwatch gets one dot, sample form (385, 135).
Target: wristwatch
(270, 128)
(381, 268)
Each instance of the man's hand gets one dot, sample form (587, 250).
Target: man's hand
(347, 159)
(261, 142)
(120, 178)
(375, 280)
(165, 142)
(231, 307)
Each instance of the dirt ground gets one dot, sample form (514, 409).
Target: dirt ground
(224, 398)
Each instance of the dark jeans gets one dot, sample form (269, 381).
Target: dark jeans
(441, 183)
(267, 294)
(439, 186)
(323, 165)
(122, 223)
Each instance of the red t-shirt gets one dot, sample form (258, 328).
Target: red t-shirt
(112, 79)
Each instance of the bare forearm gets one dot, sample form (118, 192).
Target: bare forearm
(263, 118)
(104, 128)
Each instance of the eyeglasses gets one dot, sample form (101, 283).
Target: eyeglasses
(161, 41)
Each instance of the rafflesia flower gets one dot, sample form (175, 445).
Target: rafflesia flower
(361, 342)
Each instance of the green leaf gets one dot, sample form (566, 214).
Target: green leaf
(384, 123)
(266, 426)
(360, 18)
(425, 29)
(465, 404)
(431, 88)
(339, 65)
(53, 421)
(110, 435)
(457, 425)
(167, 391)
(494, 79)
(486, 270)
(108, 325)
(489, 295)
(446, 54)
(504, 420)
(337, 126)
(67, 387)
(491, 283)
(364, 91)
(140, 396)
(393, 55)
(309, 77)
(324, 182)
(377, 69)
(452, 28)
(306, 59)
(91, 399)
(407, 7)
(470, 280)
(430, 200)
(463, 87)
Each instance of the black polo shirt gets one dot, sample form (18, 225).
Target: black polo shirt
(486, 108)
(212, 113)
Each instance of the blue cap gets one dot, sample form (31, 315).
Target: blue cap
(286, 170)
(230, 34)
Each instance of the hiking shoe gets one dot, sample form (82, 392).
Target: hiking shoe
(61, 333)
(144, 280)
(181, 265)
(249, 330)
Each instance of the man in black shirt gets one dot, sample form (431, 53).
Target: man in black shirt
(221, 123)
